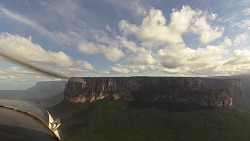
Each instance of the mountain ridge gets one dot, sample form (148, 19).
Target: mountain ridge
(206, 92)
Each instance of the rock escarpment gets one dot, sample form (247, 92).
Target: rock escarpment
(164, 90)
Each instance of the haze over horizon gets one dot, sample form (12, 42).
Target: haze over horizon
(123, 38)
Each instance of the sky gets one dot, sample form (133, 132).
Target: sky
(95, 38)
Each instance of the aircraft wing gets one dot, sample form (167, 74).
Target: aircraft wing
(20, 121)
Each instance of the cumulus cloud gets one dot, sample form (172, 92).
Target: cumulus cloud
(130, 46)
(127, 28)
(131, 68)
(111, 53)
(15, 72)
(247, 11)
(155, 44)
(240, 39)
(181, 20)
(85, 65)
(240, 57)
(207, 32)
(120, 69)
(142, 56)
(180, 59)
(109, 47)
(154, 30)
(80, 68)
(25, 49)
(89, 48)
(159, 45)
(188, 59)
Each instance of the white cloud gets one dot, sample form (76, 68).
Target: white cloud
(85, 65)
(138, 9)
(15, 71)
(125, 43)
(25, 49)
(120, 69)
(188, 60)
(247, 11)
(181, 20)
(18, 74)
(136, 44)
(88, 47)
(155, 31)
(80, 68)
(207, 32)
(172, 55)
(180, 59)
(20, 78)
(227, 42)
(240, 39)
(127, 28)
(245, 24)
(142, 56)
(129, 69)
(112, 53)
(240, 57)
(239, 20)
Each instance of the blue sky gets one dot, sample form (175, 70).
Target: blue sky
(123, 38)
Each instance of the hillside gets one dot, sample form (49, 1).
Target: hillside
(109, 119)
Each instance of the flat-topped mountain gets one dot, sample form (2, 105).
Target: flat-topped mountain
(156, 90)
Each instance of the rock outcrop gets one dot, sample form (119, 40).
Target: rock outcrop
(164, 90)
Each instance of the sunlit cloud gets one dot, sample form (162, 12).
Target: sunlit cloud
(187, 40)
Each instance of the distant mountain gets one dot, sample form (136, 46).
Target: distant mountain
(45, 89)
(45, 93)
(11, 94)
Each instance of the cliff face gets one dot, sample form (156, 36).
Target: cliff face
(163, 90)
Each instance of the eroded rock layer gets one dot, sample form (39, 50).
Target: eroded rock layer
(163, 90)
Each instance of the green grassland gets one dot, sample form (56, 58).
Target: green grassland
(107, 120)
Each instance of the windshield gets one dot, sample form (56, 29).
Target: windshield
(128, 69)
